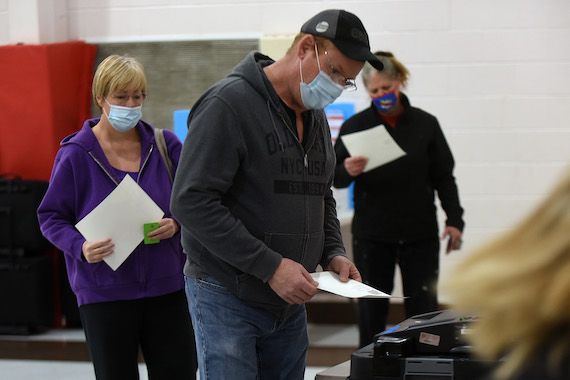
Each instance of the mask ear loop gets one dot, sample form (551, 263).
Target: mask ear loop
(317, 53)
(103, 108)
(318, 63)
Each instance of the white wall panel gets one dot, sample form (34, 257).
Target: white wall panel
(462, 112)
(477, 46)
(398, 16)
(543, 79)
(537, 112)
(521, 14)
(481, 80)
(506, 179)
(524, 147)
(513, 112)
(183, 23)
(427, 80)
(488, 80)
(291, 15)
(4, 38)
(89, 4)
(496, 213)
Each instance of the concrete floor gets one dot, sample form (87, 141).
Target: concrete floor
(329, 345)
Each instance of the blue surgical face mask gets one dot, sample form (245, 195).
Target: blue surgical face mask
(123, 118)
(386, 102)
(322, 90)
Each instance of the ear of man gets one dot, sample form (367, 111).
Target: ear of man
(305, 45)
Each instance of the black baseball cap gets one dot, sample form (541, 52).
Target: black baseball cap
(346, 32)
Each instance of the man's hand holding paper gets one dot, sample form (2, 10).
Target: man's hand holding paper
(330, 282)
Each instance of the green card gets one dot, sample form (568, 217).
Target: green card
(148, 227)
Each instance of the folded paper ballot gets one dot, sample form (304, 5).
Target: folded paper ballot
(376, 144)
(121, 216)
(330, 282)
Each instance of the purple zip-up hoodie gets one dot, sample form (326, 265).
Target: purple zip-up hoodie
(81, 178)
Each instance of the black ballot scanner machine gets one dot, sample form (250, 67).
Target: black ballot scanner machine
(427, 346)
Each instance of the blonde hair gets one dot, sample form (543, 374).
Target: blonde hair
(393, 68)
(519, 286)
(115, 73)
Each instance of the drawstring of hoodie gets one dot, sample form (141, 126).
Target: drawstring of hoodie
(275, 127)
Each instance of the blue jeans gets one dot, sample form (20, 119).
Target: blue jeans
(238, 341)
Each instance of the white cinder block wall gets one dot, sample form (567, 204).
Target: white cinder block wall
(495, 72)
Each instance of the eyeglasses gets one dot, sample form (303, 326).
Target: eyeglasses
(338, 77)
(122, 99)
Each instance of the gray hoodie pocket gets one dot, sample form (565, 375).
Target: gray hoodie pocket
(287, 245)
(254, 291)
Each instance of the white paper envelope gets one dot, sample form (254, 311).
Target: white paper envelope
(330, 282)
(121, 217)
(374, 143)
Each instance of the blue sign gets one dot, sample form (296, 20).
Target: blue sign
(337, 113)
(180, 128)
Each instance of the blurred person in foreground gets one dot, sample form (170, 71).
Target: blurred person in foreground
(519, 287)
(141, 304)
(395, 216)
(253, 195)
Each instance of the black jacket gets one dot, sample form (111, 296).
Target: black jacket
(395, 202)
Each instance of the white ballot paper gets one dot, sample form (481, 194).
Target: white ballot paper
(330, 282)
(374, 143)
(121, 217)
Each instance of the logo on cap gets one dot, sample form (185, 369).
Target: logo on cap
(322, 27)
(358, 35)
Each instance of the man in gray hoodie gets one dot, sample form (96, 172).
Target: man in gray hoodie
(253, 196)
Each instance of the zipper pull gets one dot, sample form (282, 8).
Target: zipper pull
(306, 161)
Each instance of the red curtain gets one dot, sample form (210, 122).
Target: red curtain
(45, 94)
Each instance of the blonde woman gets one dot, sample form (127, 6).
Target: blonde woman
(141, 305)
(395, 215)
(519, 285)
